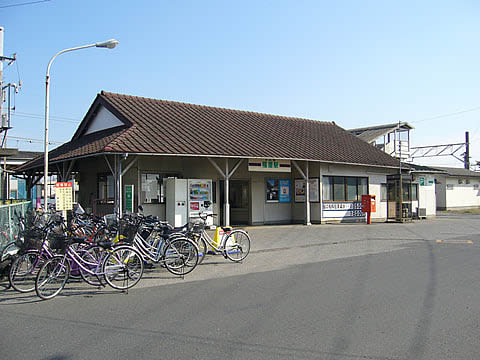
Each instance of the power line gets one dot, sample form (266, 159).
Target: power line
(22, 4)
(53, 118)
(30, 140)
(447, 115)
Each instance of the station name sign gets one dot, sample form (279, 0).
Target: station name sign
(269, 165)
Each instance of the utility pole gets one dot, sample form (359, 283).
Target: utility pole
(466, 160)
(4, 118)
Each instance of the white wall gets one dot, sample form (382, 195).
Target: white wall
(426, 195)
(462, 195)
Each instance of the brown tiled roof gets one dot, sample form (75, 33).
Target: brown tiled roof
(174, 128)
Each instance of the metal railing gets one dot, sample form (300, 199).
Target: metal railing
(9, 225)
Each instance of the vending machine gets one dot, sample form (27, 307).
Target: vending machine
(200, 199)
(176, 201)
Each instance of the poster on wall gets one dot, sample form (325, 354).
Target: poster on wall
(300, 190)
(272, 190)
(278, 190)
(284, 190)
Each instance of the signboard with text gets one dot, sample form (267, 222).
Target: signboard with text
(129, 190)
(342, 210)
(63, 196)
(269, 165)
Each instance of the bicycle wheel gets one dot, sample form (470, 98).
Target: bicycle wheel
(52, 277)
(122, 267)
(237, 245)
(9, 250)
(202, 249)
(23, 271)
(92, 258)
(180, 256)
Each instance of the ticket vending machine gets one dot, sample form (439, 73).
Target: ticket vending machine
(186, 199)
(176, 209)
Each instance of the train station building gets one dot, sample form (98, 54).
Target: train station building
(176, 159)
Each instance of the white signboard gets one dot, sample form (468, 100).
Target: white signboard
(342, 210)
(63, 196)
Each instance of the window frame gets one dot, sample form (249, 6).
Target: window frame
(161, 185)
(329, 183)
(104, 177)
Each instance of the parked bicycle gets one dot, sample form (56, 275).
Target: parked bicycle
(233, 244)
(152, 239)
(121, 266)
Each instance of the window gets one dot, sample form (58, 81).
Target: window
(414, 192)
(406, 190)
(449, 186)
(383, 192)
(327, 188)
(106, 187)
(344, 188)
(338, 188)
(153, 187)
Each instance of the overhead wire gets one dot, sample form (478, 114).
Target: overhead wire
(22, 4)
(447, 115)
(32, 140)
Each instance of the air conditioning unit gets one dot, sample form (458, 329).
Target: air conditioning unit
(421, 213)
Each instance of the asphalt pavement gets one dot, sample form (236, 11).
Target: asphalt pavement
(356, 291)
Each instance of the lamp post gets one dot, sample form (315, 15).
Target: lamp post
(109, 44)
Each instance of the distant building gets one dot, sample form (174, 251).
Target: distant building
(457, 188)
(13, 187)
(418, 188)
(394, 139)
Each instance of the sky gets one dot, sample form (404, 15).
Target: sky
(357, 63)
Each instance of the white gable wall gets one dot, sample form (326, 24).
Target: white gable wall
(102, 121)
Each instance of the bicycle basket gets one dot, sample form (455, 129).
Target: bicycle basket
(110, 220)
(196, 226)
(128, 231)
(30, 239)
(57, 242)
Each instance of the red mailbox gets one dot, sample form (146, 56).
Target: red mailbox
(369, 205)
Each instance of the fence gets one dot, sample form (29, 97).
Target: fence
(9, 225)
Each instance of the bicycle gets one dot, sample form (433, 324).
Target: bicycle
(120, 266)
(33, 250)
(179, 255)
(234, 244)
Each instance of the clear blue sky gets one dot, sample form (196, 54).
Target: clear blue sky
(358, 63)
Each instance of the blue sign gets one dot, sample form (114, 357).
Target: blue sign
(285, 193)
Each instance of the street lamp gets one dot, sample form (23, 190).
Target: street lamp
(109, 44)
